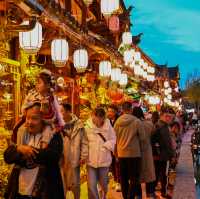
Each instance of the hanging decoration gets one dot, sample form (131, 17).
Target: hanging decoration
(127, 38)
(59, 52)
(109, 6)
(31, 41)
(123, 79)
(80, 60)
(105, 68)
(115, 74)
(114, 23)
(88, 2)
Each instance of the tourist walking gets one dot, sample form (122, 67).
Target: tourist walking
(75, 150)
(101, 142)
(147, 174)
(130, 137)
(162, 148)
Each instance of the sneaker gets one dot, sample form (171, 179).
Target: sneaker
(118, 187)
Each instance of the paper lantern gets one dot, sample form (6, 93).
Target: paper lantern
(141, 62)
(31, 41)
(169, 90)
(59, 52)
(128, 57)
(127, 38)
(150, 69)
(137, 56)
(145, 65)
(115, 74)
(169, 97)
(104, 68)
(114, 23)
(137, 69)
(123, 79)
(166, 84)
(80, 60)
(109, 6)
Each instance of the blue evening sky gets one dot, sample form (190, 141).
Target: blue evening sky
(171, 32)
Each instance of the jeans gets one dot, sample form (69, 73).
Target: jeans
(130, 177)
(76, 183)
(97, 176)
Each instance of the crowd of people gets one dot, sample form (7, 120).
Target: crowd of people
(50, 144)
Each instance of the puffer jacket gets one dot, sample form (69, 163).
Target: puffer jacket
(100, 150)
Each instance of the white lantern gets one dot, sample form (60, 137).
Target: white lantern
(145, 74)
(166, 92)
(137, 69)
(115, 74)
(80, 60)
(59, 52)
(132, 65)
(137, 56)
(169, 90)
(141, 62)
(31, 41)
(145, 65)
(128, 57)
(150, 78)
(166, 84)
(127, 38)
(104, 68)
(87, 2)
(109, 6)
(123, 79)
(166, 100)
(169, 96)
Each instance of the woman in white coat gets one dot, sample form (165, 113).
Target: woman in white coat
(101, 142)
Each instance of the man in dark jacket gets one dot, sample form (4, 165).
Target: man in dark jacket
(36, 156)
(162, 147)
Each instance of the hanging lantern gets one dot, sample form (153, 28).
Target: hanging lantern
(145, 74)
(114, 23)
(132, 65)
(150, 69)
(80, 60)
(150, 78)
(137, 56)
(169, 90)
(137, 69)
(166, 92)
(166, 84)
(88, 2)
(145, 66)
(109, 6)
(123, 79)
(141, 62)
(169, 96)
(128, 57)
(31, 41)
(127, 38)
(59, 52)
(104, 68)
(115, 74)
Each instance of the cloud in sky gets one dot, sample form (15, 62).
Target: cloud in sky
(180, 24)
(171, 32)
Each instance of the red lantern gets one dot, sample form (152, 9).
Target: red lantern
(114, 23)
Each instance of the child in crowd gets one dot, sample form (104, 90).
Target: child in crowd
(43, 93)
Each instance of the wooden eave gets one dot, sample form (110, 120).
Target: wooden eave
(73, 31)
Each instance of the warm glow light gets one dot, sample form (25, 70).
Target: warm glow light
(127, 38)
(80, 60)
(166, 84)
(115, 74)
(59, 52)
(31, 41)
(109, 6)
(104, 68)
(87, 2)
(128, 57)
(123, 79)
(137, 56)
